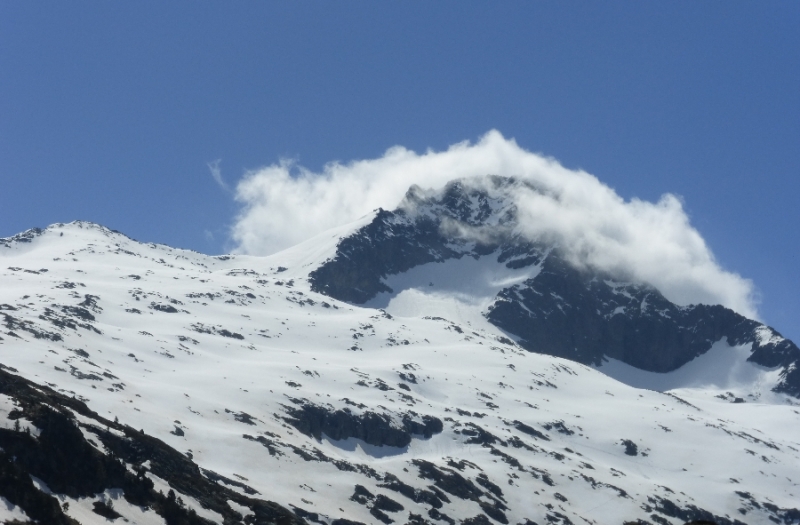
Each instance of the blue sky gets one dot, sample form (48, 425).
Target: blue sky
(111, 112)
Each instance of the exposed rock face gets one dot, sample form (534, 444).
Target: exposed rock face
(370, 427)
(578, 314)
(27, 236)
(74, 465)
(423, 229)
(585, 317)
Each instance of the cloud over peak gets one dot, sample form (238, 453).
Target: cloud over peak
(284, 204)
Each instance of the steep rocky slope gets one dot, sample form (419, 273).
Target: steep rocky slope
(578, 313)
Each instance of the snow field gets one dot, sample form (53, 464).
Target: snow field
(186, 376)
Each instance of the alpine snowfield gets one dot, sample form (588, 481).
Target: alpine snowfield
(411, 409)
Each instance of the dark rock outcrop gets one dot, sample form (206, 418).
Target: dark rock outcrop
(370, 427)
(587, 317)
(576, 313)
(396, 241)
(70, 464)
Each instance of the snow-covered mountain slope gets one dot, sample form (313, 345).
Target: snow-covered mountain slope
(530, 289)
(275, 396)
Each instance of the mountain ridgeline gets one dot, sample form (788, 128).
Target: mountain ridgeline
(407, 369)
(577, 313)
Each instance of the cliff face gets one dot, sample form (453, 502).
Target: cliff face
(579, 314)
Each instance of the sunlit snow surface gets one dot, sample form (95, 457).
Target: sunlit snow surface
(177, 369)
(10, 512)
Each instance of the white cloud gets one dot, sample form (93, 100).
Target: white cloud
(284, 204)
(216, 173)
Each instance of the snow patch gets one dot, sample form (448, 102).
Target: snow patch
(723, 367)
(10, 512)
(466, 286)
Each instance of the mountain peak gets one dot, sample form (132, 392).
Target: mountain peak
(476, 201)
(80, 227)
(540, 297)
(226, 390)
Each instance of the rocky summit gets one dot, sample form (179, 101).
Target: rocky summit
(562, 310)
(432, 364)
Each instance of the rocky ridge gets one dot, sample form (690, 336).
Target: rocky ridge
(580, 314)
(230, 382)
